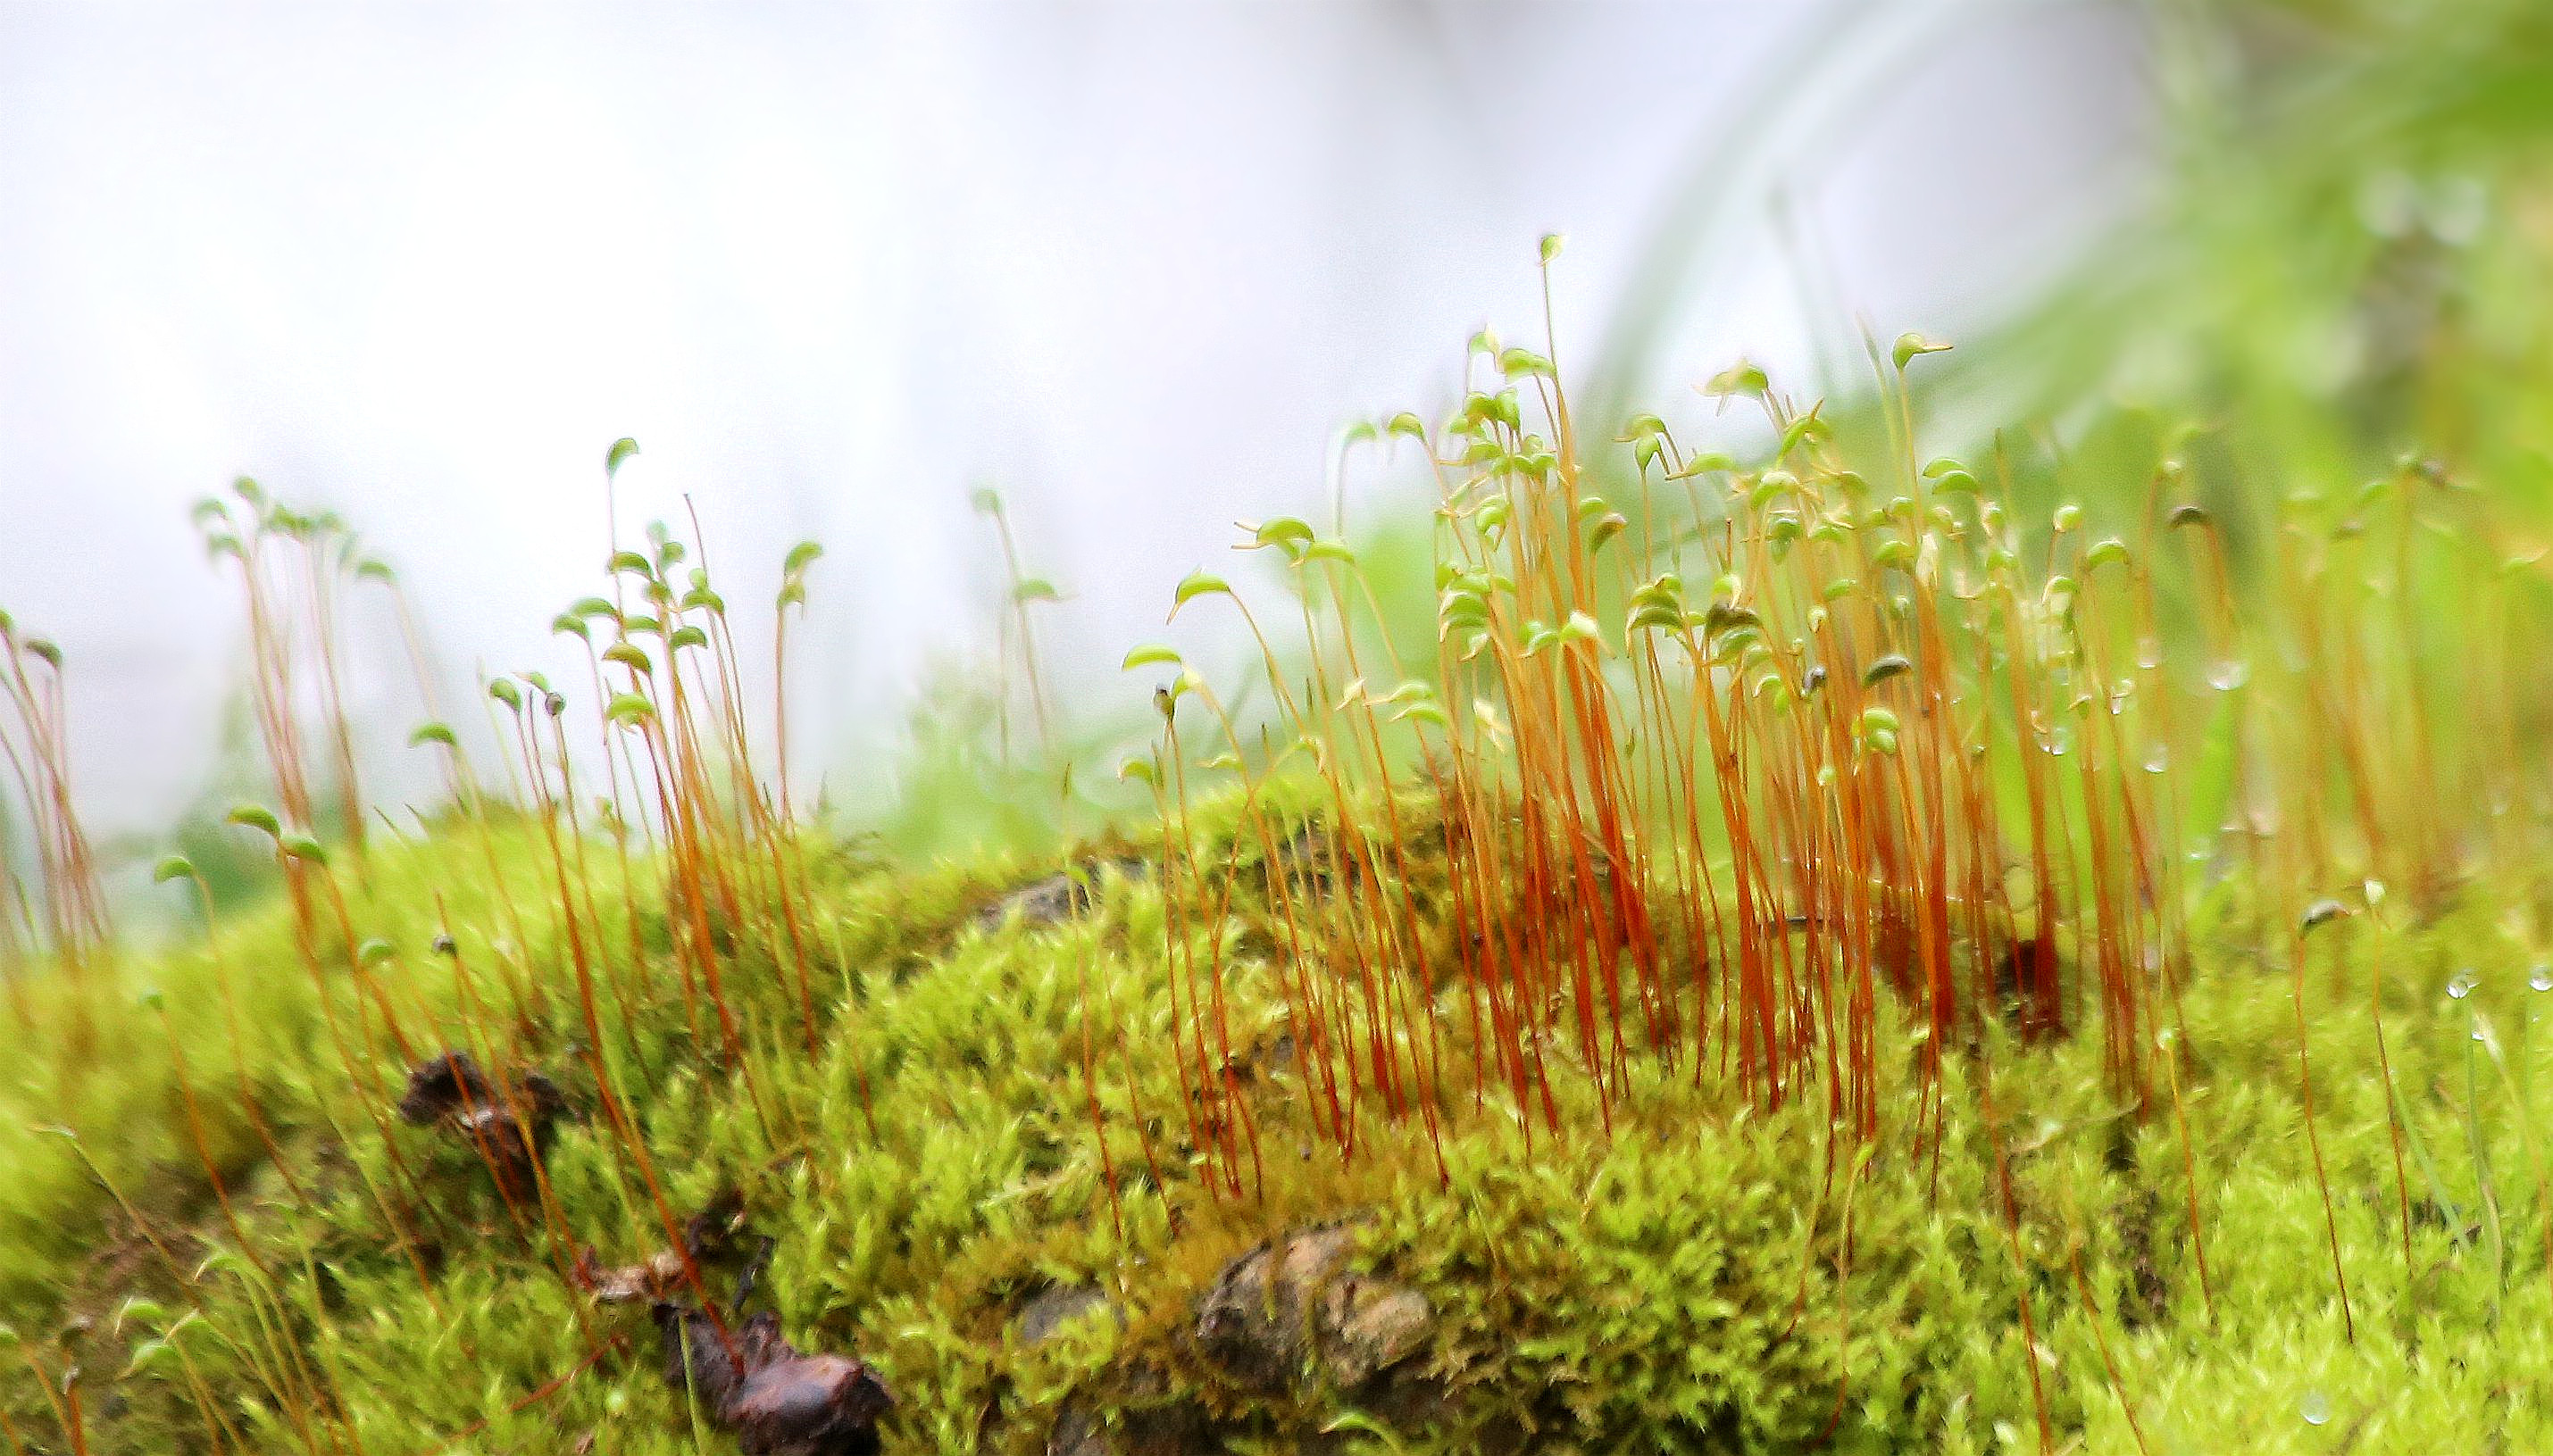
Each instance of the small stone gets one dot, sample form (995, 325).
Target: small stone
(1042, 1317)
(1175, 1431)
(1371, 1326)
(1057, 897)
(1075, 1433)
(1279, 1304)
(1255, 1324)
(778, 1400)
(1038, 903)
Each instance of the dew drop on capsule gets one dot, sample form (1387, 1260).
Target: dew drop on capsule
(2316, 1407)
(2157, 758)
(2542, 979)
(2228, 675)
(2461, 985)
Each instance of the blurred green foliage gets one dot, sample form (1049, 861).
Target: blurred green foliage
(2348, 256)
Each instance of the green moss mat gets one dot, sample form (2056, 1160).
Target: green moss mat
(1682, 1284)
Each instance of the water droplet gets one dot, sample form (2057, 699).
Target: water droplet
(2228, 675)
(2461, 985)
(2316, 1407)
(2157, 758)
(2542, 979)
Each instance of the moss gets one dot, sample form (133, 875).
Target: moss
(1701, 1279)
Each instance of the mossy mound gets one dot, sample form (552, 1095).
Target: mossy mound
(1699, 1276)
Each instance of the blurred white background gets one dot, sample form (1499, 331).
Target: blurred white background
(835, 266)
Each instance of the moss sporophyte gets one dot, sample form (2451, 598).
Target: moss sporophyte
(1802, 944)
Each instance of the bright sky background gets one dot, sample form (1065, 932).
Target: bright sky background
(835, 267)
